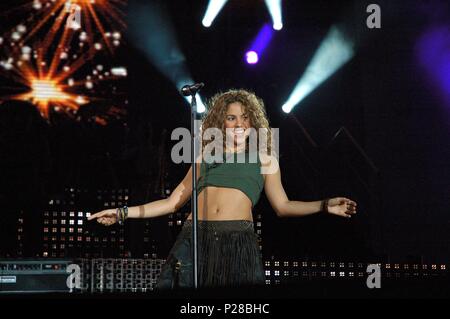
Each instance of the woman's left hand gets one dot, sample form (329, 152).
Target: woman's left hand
(341, 206)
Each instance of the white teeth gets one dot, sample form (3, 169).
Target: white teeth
(239, 130)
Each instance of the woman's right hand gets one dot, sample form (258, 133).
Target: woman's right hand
(106, 217)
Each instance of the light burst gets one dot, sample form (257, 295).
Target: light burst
(55, 63)
(98, 18)
(46, 89)
(55, 85)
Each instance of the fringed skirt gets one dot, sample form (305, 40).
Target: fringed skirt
(228, 255)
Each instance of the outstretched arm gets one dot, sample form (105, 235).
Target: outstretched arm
(284, 207)
(177, 199)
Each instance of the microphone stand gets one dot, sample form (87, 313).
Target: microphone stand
(194, 189)
(191, 90)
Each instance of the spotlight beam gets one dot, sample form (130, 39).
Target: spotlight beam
(260, 43)
(262, 39)
(274, 7)
(213, 9)
(160, 46)
(335, 50)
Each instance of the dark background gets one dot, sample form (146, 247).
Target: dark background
(377, 131)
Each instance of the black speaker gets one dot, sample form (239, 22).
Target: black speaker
(35, 276)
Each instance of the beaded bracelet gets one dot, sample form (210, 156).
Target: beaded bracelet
(117, 214)
(121, 214)
(118, 218)
(125, 213)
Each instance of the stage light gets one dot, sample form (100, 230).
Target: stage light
(213, 9)
(259, 44)
(274, 7)
(200, 105)
(119, 71)
(251, 57)
(45, 90)
(433, 52)
(160, 46)
(335, 50)
(278, 26)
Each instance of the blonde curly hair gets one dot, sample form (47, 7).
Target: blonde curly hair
(253, 105)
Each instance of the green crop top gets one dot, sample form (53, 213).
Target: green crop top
(245, 176)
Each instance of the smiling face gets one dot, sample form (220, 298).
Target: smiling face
(233, 111)
(237, 124)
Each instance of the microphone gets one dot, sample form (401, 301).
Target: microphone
(192, 89)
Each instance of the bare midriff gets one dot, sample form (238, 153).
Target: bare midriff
(221, 203)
